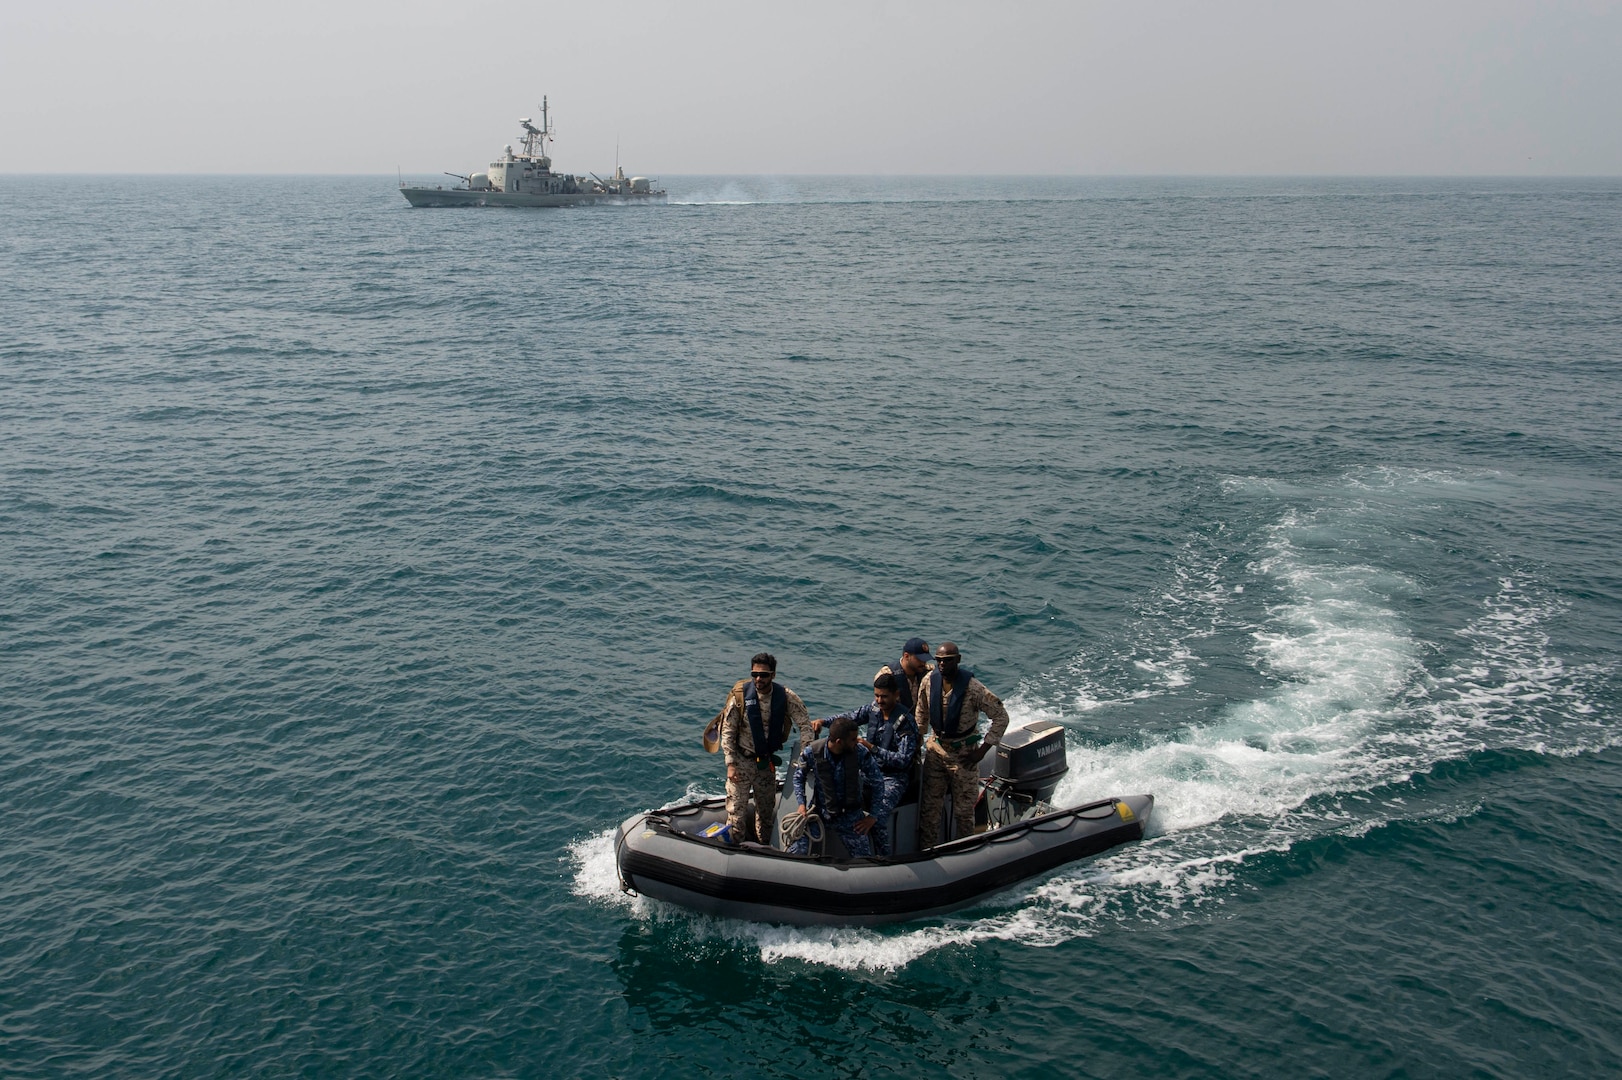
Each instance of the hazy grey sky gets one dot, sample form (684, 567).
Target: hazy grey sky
(883, 87)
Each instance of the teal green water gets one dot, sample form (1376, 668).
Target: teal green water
(363, 567)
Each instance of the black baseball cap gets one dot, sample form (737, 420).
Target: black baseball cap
(917, 647)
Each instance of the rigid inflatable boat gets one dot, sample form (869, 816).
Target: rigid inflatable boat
(665, 854)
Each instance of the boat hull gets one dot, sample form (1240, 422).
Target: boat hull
(434, 196)
(660, 855)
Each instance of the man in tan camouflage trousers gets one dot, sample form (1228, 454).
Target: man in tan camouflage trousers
(756, 722)
(950, 702)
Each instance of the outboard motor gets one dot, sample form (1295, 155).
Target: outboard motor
(1031, 761)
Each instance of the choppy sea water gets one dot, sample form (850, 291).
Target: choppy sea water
(363, 566)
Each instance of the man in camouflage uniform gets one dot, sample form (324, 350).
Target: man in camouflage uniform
(950, 702)
(892, 740)
(755, 724)
(839, 772)
(910, 671)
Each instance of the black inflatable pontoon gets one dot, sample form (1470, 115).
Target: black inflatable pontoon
(663, 854)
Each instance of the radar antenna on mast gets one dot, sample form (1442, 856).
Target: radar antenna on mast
(536, 138)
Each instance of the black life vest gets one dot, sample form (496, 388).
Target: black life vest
(952, 729)
(883, 729)
(903, 685)
(766, 746)
(831, 798)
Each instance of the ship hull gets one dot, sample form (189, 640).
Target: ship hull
(663, 854)
(433, 196)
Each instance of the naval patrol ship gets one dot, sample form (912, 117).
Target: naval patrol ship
(526, 179)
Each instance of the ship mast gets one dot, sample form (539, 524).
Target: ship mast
(535, 138)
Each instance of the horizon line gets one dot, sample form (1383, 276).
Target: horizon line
(1003, 174)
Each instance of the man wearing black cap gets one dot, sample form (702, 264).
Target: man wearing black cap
(910, 670)
(950, 702)
(755, 723)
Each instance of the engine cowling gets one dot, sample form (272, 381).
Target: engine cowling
(1031, 759)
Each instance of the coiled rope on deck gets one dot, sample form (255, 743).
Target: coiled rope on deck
(793, 826)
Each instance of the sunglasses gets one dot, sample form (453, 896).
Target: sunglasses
(763, 674)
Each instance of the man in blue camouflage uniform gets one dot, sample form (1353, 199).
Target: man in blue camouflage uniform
(892, 739)
(838, 769)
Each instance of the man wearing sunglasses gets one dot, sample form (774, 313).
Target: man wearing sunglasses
(950, 702)
(755, 725)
